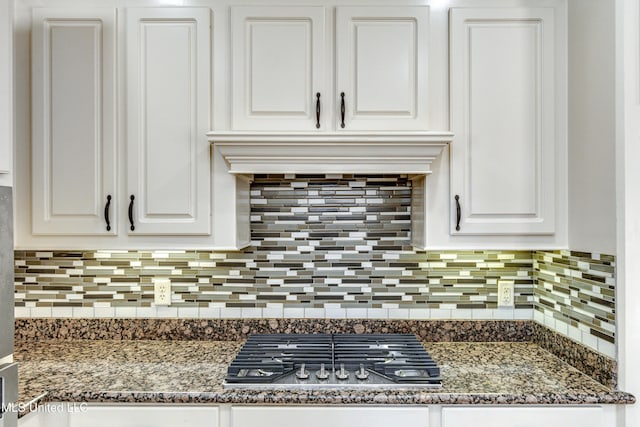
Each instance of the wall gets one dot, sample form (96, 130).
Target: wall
(627, 49)
(592, 197)
(6, 93)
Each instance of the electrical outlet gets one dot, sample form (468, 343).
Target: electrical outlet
(162, 291)
(505, 293)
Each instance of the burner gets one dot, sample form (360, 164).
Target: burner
(269, 361)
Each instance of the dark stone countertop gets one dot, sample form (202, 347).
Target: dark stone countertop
(178, 372)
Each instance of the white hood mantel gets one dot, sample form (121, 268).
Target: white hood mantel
(237, 156)
(329, 152)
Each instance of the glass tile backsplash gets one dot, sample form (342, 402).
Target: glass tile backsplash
(326, 246)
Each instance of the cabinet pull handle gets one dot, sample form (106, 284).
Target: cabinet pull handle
(106, 212)
(458, 212)
(131, 212)
(318, 110)
(342, 110)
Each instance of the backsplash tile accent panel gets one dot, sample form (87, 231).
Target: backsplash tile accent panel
(575, 296)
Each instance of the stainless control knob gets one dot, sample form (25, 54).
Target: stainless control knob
(362, 373)
(301, 373)
(342, 374)
(322, 374)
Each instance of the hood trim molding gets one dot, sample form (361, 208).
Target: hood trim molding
(329, 152)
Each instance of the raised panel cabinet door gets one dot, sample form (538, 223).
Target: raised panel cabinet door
(168, 104)
(525, 417)
(502, 116)
(73, 144)
(329, 416)
(381, 68)
(278, 68)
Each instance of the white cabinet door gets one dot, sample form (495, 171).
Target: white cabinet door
(526, 417)
(381, 67)
(278, 68)
(73, 147)
(502, 116)
(329, 416)
(30, 420)
(168, 104)
(57, 417)
(145, 416)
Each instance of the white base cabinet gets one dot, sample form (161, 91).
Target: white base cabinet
(122, 416)
(54, 415)
(287, 416)
(146, 416)
(526, 417)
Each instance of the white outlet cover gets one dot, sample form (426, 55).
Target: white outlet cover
(162, 292)
(505, 293)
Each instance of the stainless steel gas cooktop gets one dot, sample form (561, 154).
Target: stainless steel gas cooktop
(273, 361)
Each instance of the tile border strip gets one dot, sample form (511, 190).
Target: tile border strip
(336, 313)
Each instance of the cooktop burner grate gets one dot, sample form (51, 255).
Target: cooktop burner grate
(332, 360)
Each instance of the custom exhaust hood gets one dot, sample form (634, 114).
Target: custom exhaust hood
(237, 156)
(336, 152)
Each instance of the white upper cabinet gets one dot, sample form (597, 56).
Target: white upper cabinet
(73, 124)
(168, 104)
(381, 67)
(502, 117)
(283, 78)
(278, 67)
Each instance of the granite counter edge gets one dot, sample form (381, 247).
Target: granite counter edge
(329, 397)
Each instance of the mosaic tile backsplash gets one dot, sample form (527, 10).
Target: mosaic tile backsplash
(575, 295)
(322, 246)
